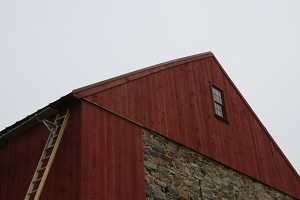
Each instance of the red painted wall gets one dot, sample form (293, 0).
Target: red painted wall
(112, 157)
(63, 181)
(177, 103)
(19, 159)
(100, 157)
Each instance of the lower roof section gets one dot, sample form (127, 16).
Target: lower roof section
(31, 120)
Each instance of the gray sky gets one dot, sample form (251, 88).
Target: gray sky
(49, 47)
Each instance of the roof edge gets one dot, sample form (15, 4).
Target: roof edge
(29, 121)
(83, 91)
(257, 118)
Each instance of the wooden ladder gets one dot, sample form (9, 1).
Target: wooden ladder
(56, 129)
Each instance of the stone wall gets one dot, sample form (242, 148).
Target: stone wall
(173, 171)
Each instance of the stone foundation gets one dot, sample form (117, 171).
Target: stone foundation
(174, 172)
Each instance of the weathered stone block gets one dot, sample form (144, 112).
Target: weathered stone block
(174, 172)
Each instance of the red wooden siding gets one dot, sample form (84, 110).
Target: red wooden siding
(177, 103)
(19, 159)
(111, 157)
(63, 181)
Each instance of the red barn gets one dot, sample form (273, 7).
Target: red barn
(177, 130)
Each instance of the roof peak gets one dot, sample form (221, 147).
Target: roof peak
(82, 92)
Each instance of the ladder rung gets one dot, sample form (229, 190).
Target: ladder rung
(37, 180)
(41, 175)
(52, 143)
(54, 138)
(36, 183)
(51, 146)
(61, 117)
(56, 132)
(41, 168)
(45, 158)
(40, 171)
(32, 192)
(49, 149)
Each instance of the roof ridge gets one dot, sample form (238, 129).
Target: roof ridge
(141, 73)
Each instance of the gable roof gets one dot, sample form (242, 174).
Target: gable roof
(86, 91)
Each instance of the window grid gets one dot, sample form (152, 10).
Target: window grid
(218, 103)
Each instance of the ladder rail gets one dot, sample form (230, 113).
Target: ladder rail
(38, 165)
(52, 156)
(53, 133)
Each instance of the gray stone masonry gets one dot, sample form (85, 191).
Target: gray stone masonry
(174, 172)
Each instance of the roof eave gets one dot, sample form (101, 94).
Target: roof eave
(31, 120)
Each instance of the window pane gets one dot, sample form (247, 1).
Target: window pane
(216, 92)
(217, 95)
(219, 110)
(218, 102)
(218, 99)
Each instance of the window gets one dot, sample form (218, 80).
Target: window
(218, 103)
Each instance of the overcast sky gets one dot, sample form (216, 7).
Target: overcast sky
(49, 47)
